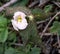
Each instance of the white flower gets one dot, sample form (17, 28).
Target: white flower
(19, 21)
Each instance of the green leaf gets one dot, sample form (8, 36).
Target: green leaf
(39, 14)
(48, 8)
(3, 29)
(25, 34)
(24, 2)
(35, 50)
(30, 31)
(3, 21)
(55, 28)
(4, 35)
(21, 52)
(59, 32)
(12, 36)
(21, 3)
(1, 49)
(30, 50)
(10, 51)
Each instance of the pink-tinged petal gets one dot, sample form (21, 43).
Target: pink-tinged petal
(14, 25)
(14, 17)
(19, 13)
(24, 21)
(22, 26)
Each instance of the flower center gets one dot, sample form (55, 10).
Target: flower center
(19, 19)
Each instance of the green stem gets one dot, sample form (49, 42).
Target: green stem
(3, 48)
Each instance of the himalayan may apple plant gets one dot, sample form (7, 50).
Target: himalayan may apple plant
(25, 27)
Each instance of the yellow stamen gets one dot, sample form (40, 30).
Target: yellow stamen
(31, 17)
(19, 19)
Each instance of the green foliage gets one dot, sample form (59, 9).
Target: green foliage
(3, 21)
(4, 35)
(25, 50)
(12, 36)
(3, 29)
(21, 3)
(55, 28)
(29, 36)
(10, 51)
(39, 14)
(31, 50)
(48, 8)
(35, 50)
(1, 49)
(30, 33)
(11, 10)
(24, 2)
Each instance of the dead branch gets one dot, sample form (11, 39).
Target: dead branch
(43, 21)
(17, 44)
(56, 3)
(33, 3)
(43, 2)
(7, 4)
(46, 34)
(58, 42)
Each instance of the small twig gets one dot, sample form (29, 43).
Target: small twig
(39, 22)
(56, 3)
(49, 40)
(17, 44)
(58, 42)
(55, 44)
(49, 24)
(40, 26)
(33, 3)
(46, 34)
(7, 4)
(43, 2)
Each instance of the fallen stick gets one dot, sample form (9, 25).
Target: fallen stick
(58, 39)
(43, 21)
(56, 3)
(46, 34)
(43, 2)
(7, 4)
(33, 3)
(17, 44)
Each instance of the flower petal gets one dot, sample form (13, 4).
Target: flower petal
(22, 26)
(18, 13)
(14, 25)
(24, 20)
